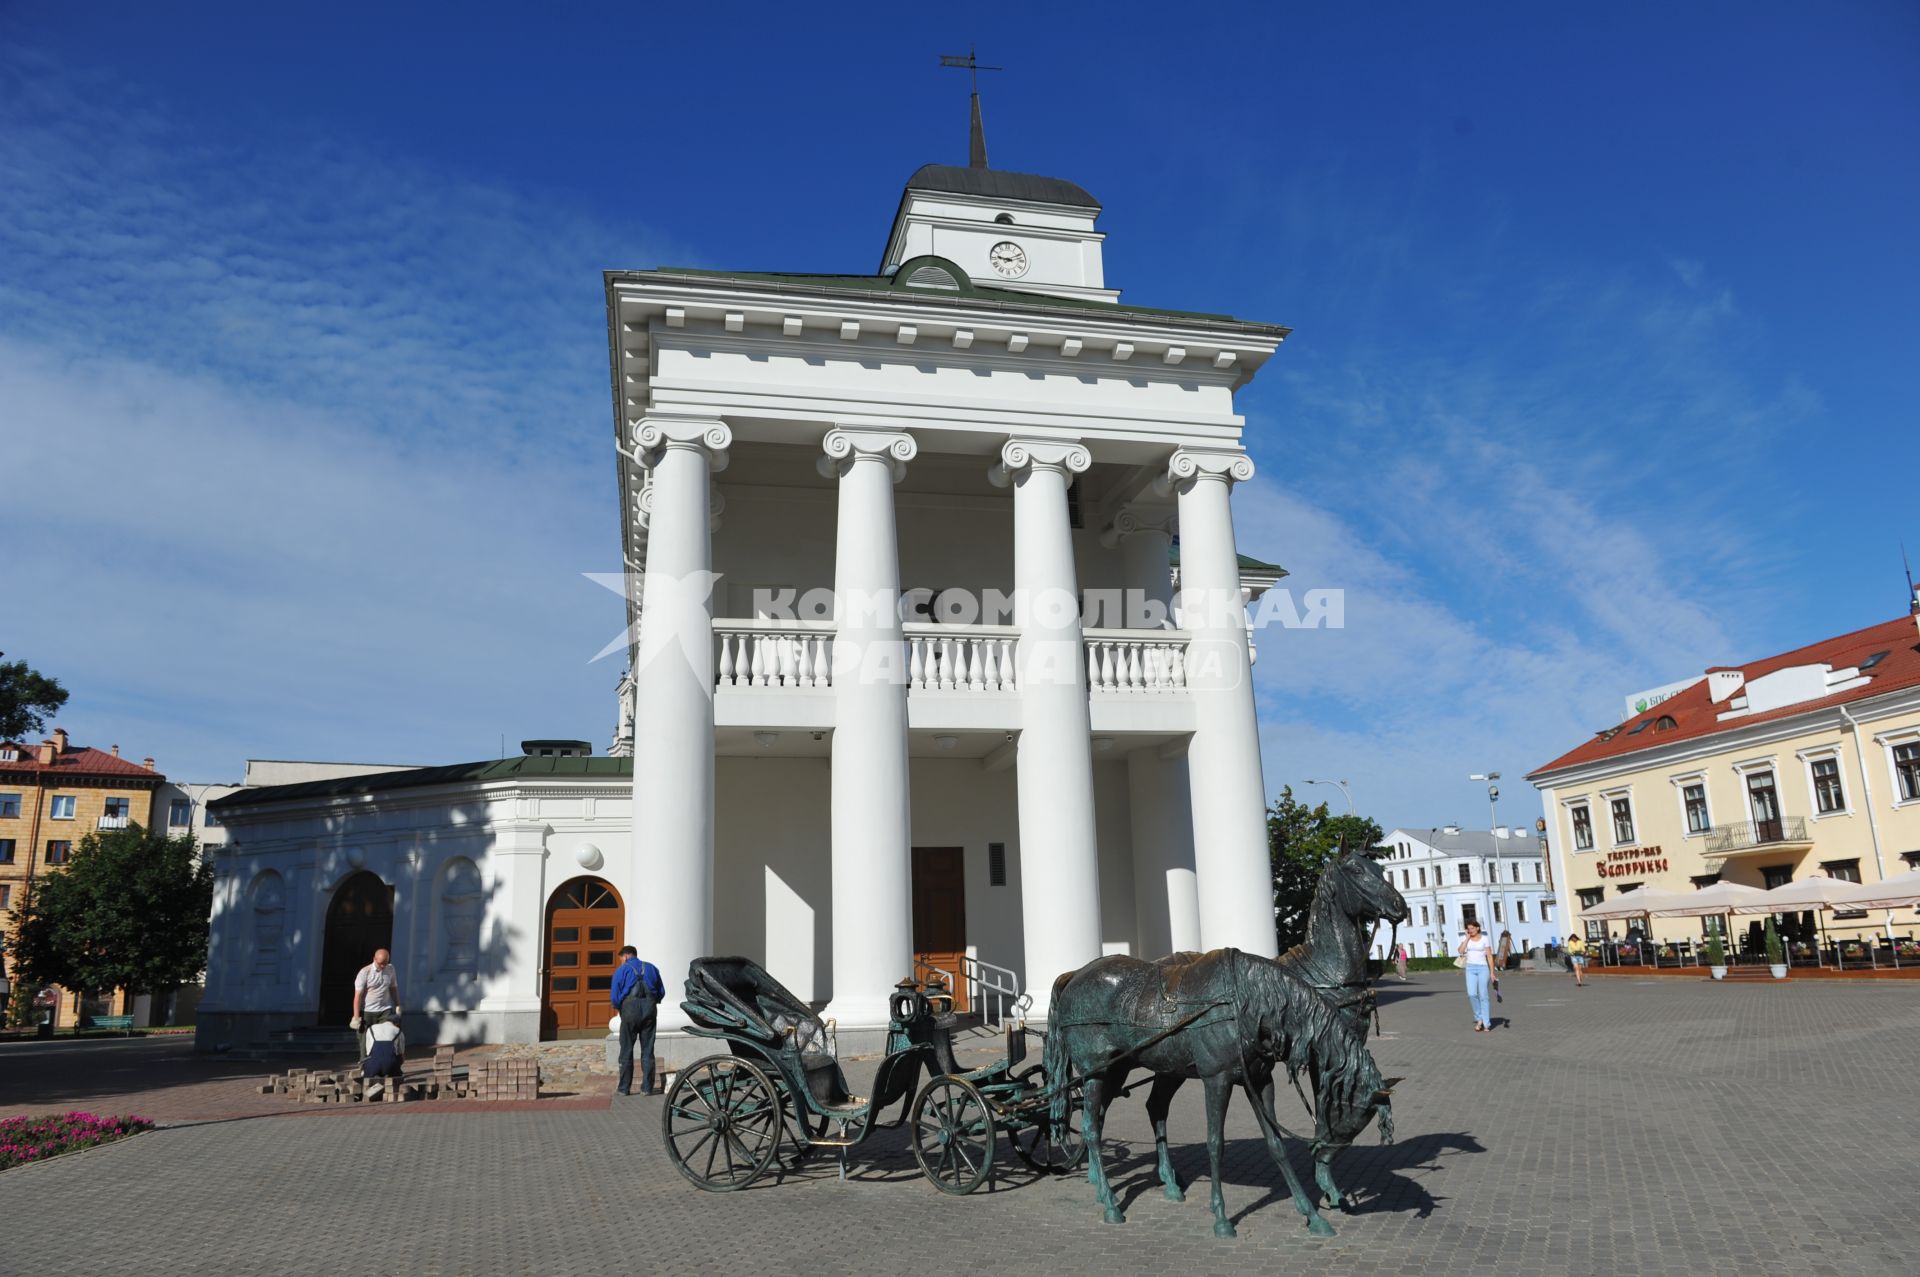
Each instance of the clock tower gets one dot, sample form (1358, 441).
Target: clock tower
(1009, 230)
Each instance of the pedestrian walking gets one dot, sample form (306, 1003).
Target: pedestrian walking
(1506, 954)
(1577, 959)
(637, 993)
(376, 998)
(1476, 954)
(1400, 961)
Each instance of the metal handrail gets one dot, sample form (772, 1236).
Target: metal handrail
(985, 978)
(1750, 834)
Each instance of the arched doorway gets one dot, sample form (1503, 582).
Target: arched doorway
(586, 924)
(359, 920)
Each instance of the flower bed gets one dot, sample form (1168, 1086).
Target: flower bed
(34, 1139)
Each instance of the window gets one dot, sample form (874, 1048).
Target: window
(1702, 881)
(9, 806)
(1466, 872)
(6, 851)
(1537, 875)
(1468, 913)
(996, 864)
(1827, 794)
(116, 813)
(1622, 820)
(58, 850)
(1516, 875)
(1844, 870)
(1423, 877)
(1520, 910)
(179, 813)
(1496, 912)
(1423, 915)
(1546, 911)
(1440, 914)
(9, 755)
(213, 821)
(1906, 770)
(1596, 928)
(1776, 876)
(1406, 879)
(1764, 800)
(62, 807)
(1582, 828)
(6, 897)
(1695, 799)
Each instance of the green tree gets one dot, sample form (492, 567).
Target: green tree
(26, 698)
(1300, 840)
(129, 911)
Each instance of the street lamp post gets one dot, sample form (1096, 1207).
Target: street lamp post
(1493, 823)
(1351, 810)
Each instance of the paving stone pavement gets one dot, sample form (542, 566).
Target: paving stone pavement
(1644, 1127)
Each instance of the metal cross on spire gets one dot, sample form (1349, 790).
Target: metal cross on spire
(977, 138)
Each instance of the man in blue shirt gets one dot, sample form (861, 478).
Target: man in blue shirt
(637, 992)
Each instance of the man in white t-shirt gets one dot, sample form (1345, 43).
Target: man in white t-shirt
(376, 996)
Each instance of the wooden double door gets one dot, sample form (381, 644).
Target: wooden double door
(586, 925)
(940, 914)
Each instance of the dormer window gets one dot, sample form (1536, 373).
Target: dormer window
(1005, 219)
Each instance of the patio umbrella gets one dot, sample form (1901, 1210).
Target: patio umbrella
(1721, 897)
(1818, 892)
(1631, 905)
(1902, 891)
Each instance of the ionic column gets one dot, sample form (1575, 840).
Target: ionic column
(1059, 853)
(668, 886)
(872, 862)
(1145, 539)
(1223, 761)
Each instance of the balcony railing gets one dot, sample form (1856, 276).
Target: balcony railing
(942, 658)
(113, 822)
(1755, 834)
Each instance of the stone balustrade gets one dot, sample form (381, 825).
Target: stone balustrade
(1136, 660)
(753, 653)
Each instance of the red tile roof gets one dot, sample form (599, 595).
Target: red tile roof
(1695, 714)
(75, 760)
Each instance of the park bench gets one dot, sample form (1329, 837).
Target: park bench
(122, 1023)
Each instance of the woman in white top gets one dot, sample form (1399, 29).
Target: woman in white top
(1476, 951)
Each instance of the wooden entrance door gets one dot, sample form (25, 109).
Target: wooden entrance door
(585, 928)
(359, 920)
(940, 914)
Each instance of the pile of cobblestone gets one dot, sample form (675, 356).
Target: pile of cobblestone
(508, 1078)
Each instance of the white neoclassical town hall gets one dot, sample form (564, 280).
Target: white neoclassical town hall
(911, 682)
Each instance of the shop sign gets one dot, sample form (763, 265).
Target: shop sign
(1631, 862)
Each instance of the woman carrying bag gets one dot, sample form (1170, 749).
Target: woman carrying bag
(1476, 955)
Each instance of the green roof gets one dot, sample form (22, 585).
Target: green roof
(969, 290)
(522, 767)
(1247, 563)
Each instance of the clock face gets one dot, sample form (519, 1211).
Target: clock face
(1008, 258)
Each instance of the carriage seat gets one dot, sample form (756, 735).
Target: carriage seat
(735, 999)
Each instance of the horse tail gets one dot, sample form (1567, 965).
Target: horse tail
(1055, 1061)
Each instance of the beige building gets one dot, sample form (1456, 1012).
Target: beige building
(51, 796)
(1803, 763)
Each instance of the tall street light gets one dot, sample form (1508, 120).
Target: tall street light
(1351, 810)
(1493, 823)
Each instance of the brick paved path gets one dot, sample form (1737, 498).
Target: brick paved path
(1633, 1128)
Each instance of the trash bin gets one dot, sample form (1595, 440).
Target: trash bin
(45, 1028)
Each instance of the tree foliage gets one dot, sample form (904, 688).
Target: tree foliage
(26, 698)
(130, 911)
(1300, 840)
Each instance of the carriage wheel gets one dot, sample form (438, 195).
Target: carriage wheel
(722, 1123)
(953, 1135)
(1043, 1146)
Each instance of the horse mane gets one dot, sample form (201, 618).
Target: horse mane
(1305, 1031)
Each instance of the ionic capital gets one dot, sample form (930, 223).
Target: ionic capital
(1132, 521)
(643, 506)
(1187, 465)
(1065, 456)
(844, 447)
(654, 437)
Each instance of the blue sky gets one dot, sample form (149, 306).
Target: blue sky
(1602, 368)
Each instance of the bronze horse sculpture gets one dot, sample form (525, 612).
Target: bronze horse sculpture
(1353, 894)
(1225, 1017)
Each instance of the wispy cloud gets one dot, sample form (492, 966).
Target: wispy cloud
(310, 448)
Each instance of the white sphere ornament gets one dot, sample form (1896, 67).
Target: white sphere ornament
(357, 857)
(588, 856)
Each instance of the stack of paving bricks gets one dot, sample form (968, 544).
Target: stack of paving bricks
(322, 1086)
(516, 1079)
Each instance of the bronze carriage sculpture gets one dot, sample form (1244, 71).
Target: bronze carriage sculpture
(778, 1082)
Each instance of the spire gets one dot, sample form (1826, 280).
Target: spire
(977, 134)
